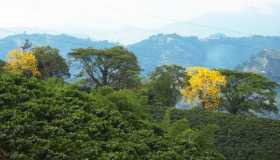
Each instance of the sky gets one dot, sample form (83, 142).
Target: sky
(85, 16)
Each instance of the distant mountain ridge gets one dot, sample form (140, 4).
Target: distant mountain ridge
(218, 50)
(168, 49)
(63, 42)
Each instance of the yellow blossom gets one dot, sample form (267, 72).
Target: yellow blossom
(22, 62)
(205, 85)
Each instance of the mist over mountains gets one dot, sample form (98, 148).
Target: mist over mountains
(218, 50)
(267, 62)
(249, 21)
(252, 21)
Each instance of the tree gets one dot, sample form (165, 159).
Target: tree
(248, 91)
(50, 63)
(178, 128)
(165, 84)
(115, 67)
(26, 45)
(2, 64)
(204, 85)
(23, 62)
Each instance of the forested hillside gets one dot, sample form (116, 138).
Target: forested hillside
(109, 112)
(140, 80)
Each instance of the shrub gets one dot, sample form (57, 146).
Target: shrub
(56, 121)
(238, 137)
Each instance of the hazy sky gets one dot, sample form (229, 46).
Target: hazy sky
(111, 13)
(74, 15)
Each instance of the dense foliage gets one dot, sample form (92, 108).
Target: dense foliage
(115, 67)
(53, 120)
(239, 137)
(246, 92)
(115, 116)
(50, 63)
(165, 84)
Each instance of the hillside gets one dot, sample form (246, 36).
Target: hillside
(266, 62)
(168, 49)
(63, 42)
(215, 51)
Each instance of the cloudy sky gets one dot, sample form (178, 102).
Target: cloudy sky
(78, 15)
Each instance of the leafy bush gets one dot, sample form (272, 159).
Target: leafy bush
(238, 137)
(53, 120)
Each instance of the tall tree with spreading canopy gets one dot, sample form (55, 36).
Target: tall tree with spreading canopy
(204, 85)
(24, 62)
(50, 63)
(165, 84)
(247, 91)
(116, 67)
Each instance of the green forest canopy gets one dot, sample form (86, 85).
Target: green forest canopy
(121, 117)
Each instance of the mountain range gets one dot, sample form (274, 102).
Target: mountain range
(63, 42)
(267, 62)
(217, 51)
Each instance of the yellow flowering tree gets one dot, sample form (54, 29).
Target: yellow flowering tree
(25, 62)
(204, 85)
